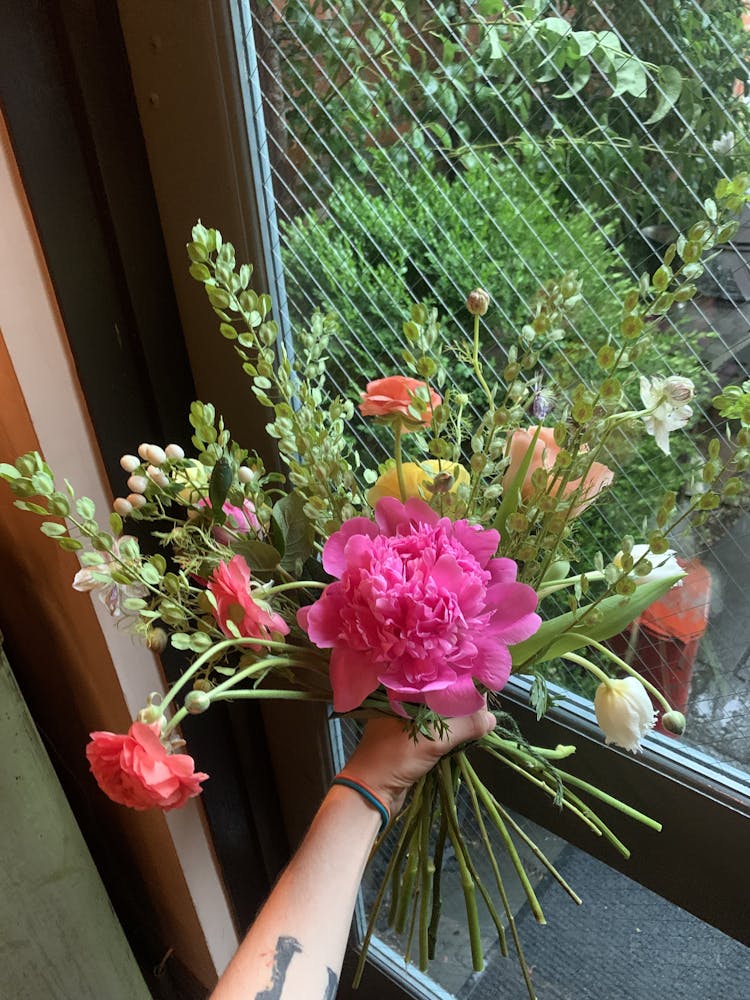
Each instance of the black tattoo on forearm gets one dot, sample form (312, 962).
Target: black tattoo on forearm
(333, 984)
(286, 949)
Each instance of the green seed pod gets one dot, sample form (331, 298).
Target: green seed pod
(222, 478)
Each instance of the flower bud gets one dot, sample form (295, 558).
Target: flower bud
(156, 640)
(674, 722)
(122, 507)
(174, 451)
(245, 474)
(137, 484)
(150, 714)
(678, 390)
(197, 702)
(129, 463)
(155, 454)
(143, 450)
(478, 302)
(157, 476)
(137, 500)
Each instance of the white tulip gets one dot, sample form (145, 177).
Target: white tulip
(143, 450)
(174, 451)
(663, 565)
(129, 463)
(624, 712)
(137, 500)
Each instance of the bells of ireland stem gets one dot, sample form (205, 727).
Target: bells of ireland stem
(624, 712)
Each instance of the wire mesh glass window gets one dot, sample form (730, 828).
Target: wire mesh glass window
(420, 150)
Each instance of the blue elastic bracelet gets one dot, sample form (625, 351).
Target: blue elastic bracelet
(385, 816)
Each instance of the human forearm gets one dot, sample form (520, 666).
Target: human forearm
(295, 948)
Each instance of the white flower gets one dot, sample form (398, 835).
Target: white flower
(624, 712)
(724, 144)
(98, 579)
(129, 463)
(174, 451)
(666, 403)
(663, 565)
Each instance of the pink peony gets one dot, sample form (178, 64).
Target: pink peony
(137, 771)
(386, 397)
(421, 606)
(230, 585)
(240, 519)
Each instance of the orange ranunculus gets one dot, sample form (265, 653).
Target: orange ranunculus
(392, 396)
(598, 476)
(417, 477)
(136, 770)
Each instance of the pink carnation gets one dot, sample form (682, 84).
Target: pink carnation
(137, 771)
(421, 606)
(230, 585)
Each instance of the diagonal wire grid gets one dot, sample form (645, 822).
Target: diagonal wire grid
(395, 179)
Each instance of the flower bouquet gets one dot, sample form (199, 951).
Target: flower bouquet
(414, 589)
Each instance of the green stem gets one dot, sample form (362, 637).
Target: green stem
(477, 366)
(397, 433)
(294, 585)
(588, 665)
(640, 817)
(254, 668)
(510, 847)
(556, 585)
(218, 647)
(467, 882)
(425, 883)
(471, 780)
(437, 901)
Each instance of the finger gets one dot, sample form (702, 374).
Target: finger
(469, 727)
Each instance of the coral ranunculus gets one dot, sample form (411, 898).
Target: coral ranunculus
(230, 585)
(137, 771)
(418, 476)
(421, 606)
(598, 476)
(392, 396)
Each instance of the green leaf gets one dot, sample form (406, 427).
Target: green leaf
(70, 544)
(86, 508)
(150, 574)
(563, 634)
(53, 530)
(180, 640)
(298, 533)
(33, 508)
(258, 555)
(512, 494)
(9, 471)
(92, 559)
(200, 642)
(115, 523)
(669, 84)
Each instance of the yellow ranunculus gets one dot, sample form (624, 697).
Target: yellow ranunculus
(417, 477)
(195, 477)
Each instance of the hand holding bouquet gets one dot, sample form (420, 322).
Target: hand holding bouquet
(414, 589)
